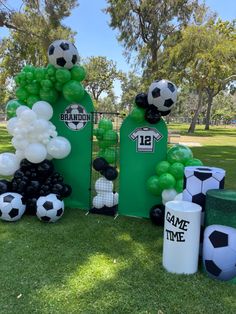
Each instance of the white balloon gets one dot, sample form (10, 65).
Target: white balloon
(116, 198)
(103, 185)
(11, 125)
(19, 144)
(49, 157)
(98, 202)
(109, 199)
(20, 154)
(28, 116)
(41, 125)
(20, 109)
(168, 195)
(179, 197)
(9, 163)
(59, 147)
(35, 152)
(43, 110)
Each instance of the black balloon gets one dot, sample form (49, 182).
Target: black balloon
(58, 189)
(141, 100)
(31, 206)
(67, 190)
(110, 173)
(165, 113)
(45, 168)
(100, 164)
(4, 186)
(18, 174)
(33, 188)
(157, 214)
(25, 164)
(152, 115)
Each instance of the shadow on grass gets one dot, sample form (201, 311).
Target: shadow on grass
(93, 264)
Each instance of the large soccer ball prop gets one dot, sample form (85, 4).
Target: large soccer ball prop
(11, 206)
(49, 208)
(219, 252)
(75, 117)
(162, 94)
(198, 180)
(62, 54)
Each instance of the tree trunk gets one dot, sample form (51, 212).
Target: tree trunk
(196, 114)
(208, 115)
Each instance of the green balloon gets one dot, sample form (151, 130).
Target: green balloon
(17, 79)
(162, 167)
(167, 181)
(95, 132)
(137, 114)
(110, 155)
(177, 170)
(179, 186)
(100, 133)
(194, 162)
(103, 144)
(29, 68)
(111, 137)
(105, 124)
(58, 86)
(73, 91)
(29, 77)
(39, 74)
(46, 85)
(78, 73)
(33, 88)
(51, 70)
(21, 93)
(11, 107)
(179, 153)
(101, 152)
(32, 100)
(50, 95)
(153, 185)
(63, 75)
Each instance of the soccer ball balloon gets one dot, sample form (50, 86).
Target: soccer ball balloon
(162, 94)
(49, 208)
(62, 54)
(219, 252)
(11, 206)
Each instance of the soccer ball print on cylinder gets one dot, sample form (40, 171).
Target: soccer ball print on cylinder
(62, 54)
(219, 252)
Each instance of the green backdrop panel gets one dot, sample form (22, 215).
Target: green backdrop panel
(76, 167)
(142, 146)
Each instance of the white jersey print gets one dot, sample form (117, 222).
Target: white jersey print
(145, 138)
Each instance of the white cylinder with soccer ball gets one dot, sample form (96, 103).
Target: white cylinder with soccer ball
(181, 237)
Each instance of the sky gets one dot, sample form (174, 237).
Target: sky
(95, 37)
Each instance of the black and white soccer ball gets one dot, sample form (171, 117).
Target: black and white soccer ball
(11, 206)
(198, 180)
(63, 54)
(219, 252)
(76, 117)
(49, 208)
(162, 94)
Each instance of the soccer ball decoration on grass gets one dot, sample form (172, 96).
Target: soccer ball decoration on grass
(49, 208)
(11, 206)
(219, 252)
(63, 54)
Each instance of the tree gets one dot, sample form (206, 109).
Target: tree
(224, 107)
(204, 58)
(131, 85)
(31, 30)
(101, 74)
(144, 25)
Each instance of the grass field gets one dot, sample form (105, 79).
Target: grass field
(94, 264)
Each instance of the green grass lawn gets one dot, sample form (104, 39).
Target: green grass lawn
(94, 264)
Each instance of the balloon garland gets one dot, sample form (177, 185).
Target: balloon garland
(168, 180)
(35, 138)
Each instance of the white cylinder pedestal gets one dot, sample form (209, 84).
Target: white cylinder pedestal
(181, 237)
